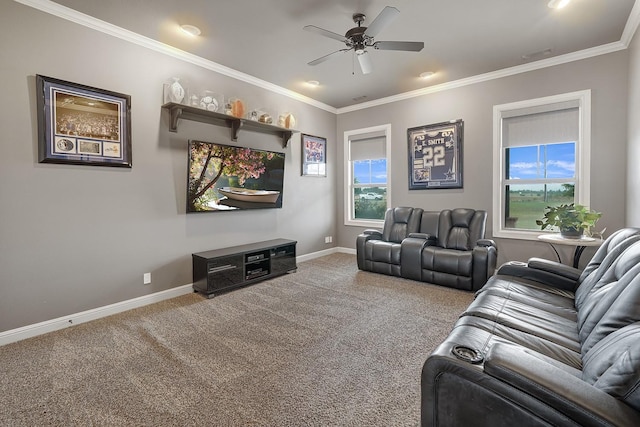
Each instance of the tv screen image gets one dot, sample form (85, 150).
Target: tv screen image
(224, 177)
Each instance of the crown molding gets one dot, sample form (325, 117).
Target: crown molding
(64, 12)
(632, 25)
(71, 15)
(505, 72)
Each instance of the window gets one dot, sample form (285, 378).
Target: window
(367, 195)
(541, 153)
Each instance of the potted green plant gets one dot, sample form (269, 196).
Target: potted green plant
(572, 220)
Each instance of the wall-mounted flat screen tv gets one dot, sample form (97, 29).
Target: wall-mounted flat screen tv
(227, 178)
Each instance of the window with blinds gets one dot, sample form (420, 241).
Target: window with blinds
(367, 167)
(541, 148)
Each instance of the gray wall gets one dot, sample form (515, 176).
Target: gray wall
(74, 238)
(633, 157)
(605, 75)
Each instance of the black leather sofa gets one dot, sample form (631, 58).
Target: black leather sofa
(441, 247)
(544, 344)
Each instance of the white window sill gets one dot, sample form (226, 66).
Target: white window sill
(378, 224)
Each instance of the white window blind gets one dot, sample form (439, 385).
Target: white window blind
(368, 149)
(541, 127)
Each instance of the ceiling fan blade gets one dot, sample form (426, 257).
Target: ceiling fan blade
(410, 46)
(383, 19)
(326, 33)
(324, 58)
(365, 62)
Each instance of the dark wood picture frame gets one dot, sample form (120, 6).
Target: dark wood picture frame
(314, 155)
(435, 155)
(82, 125)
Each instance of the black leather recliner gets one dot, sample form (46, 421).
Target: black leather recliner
(457, 255)
(444, 247)
(379, 251)
(545, 344)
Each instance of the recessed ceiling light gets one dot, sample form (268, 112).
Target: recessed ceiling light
(313, 83)
(192, 30)
(558, 4)
(426, 74)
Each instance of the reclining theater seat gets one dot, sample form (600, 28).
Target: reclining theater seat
(527, 352)
(455, 255)
(441, 247)
(380, 251)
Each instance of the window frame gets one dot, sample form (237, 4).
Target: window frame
(349, 202)
(582, 167)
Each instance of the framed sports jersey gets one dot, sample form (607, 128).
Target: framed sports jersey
(435, 156)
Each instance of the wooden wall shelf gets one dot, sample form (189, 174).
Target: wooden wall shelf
(186, 112)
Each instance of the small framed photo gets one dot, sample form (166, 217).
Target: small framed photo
(82, 125)
(314, 155)
(435, 156)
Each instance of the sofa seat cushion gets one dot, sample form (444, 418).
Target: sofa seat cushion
(381, 251)
(481, 334)
(551, 327)
(527, 287)
(534, 294)
(450, 261)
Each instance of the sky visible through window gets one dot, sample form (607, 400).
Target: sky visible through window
(370, 171)
(528, 162)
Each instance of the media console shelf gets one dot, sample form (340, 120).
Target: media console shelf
(224, 269)
(187, 112)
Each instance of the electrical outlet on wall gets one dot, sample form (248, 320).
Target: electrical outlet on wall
(328, 239)
(146, 279)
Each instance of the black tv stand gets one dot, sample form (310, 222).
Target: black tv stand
(221, 270)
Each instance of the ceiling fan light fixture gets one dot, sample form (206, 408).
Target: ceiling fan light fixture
(192, 30)
(558, 4)
(358, 39)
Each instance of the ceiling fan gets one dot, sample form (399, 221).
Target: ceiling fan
(360, 38)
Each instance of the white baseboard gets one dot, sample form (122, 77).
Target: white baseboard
(325, 252)
(36, 329)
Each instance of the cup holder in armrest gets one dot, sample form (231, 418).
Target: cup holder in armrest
(467, 354)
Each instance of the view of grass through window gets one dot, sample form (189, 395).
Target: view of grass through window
(547, 173)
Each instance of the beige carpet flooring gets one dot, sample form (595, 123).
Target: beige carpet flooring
(326, 346)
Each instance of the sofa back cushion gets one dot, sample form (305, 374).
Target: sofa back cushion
(613, 365)
(429, 223)
(613, 302)
(614, 241)
(606, 256)
(399, 222)
(461, 228)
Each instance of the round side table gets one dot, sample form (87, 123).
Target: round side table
(580, 244)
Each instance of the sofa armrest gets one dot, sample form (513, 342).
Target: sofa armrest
(373, 232)
(511, 387)
(361, 242)
(411, 256)
(430, 239)
(485, 243)
(555, 268)
(558, 277)
(485, 257)
(565, 393)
